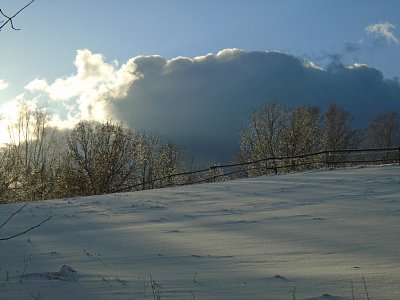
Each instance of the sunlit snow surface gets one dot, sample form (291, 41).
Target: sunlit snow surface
(316, 234)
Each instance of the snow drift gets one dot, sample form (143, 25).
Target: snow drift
(315, 234)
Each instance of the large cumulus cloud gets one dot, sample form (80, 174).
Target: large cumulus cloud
(201, 102)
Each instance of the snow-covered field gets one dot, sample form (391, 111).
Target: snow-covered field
(314, 234)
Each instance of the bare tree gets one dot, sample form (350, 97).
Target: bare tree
(337, 127)
(338, 132)
(274, 131)
(158, 162)
(170, 161)
(7, 174)
(29, 160)
(147, 160)
(301, 134)
(101, 158)
(384, 131)
(261, 137)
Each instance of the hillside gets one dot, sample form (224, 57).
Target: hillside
(315, 234)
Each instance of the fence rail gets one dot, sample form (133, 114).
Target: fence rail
(275, 165)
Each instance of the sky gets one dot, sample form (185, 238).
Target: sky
(192, 71)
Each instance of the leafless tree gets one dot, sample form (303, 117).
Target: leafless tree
(275, 131)
(338, 130)
(147, 158)
(384, 131)
(29, 160)
(170, 161)
(7, 174)
(261, 137)
(158, 162)
(301, 134)
(101, 158)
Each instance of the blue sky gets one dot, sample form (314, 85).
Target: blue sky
(52, 31)
(318, 31)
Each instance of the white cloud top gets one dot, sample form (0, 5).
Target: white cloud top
(37, 85)
(383, 31)
(93, 85)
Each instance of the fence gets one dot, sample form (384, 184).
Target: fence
(275, 165)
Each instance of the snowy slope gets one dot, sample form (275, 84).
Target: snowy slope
(315, 234)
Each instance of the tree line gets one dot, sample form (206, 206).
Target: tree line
(274, 130)
(94, 158)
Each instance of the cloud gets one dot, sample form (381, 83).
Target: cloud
(202, 102)
(37, 85)
(353, 46)
(3, 84)
(86, 93)
(383, 32)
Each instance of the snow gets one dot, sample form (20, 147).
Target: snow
(314, 234)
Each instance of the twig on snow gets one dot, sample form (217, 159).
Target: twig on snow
(26, 263)
(36, 297)
(193, 295)
(352, 290)
(365, 287)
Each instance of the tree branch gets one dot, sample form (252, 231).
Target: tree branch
(23, 232)
(10, 19)
(9, 218)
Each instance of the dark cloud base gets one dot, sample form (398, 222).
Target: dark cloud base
(202, 102)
